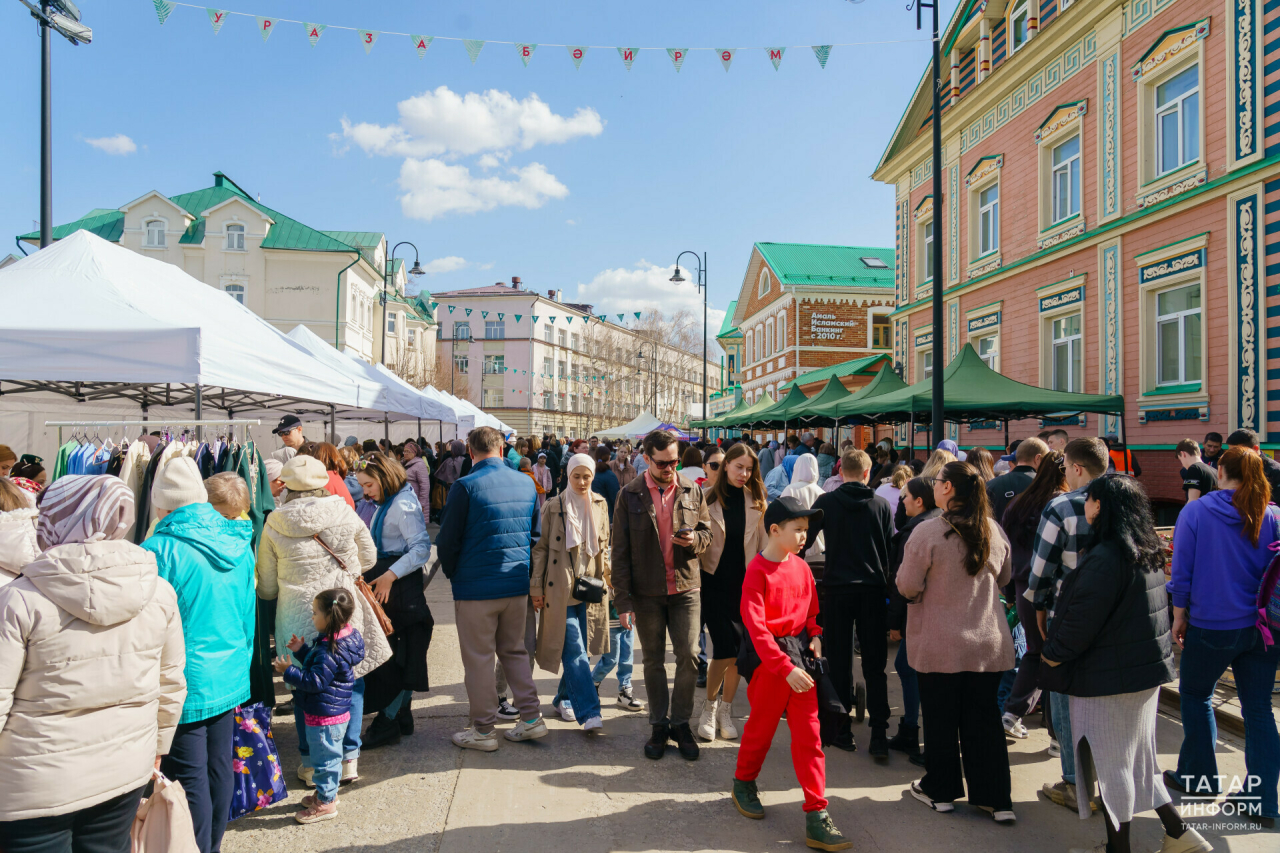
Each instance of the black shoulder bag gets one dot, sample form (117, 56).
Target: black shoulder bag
(590, 590)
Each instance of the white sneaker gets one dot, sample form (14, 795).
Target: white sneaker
(1054, 750)
(349, 771)
(306, 775)
(526, 731)
(469, 738)
(1000, 815)
(1190, 842)
(707, 722)
(1013, 726)
(565, 710)
(920, 795)
(724, 721)
(593, 726)
(627, 700)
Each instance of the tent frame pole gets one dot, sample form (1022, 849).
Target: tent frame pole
(199, 412)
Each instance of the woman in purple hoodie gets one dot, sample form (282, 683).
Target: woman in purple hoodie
(1221, 548)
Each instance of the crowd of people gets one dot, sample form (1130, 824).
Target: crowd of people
(1032, 581)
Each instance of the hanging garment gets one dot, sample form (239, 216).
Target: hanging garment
(143, 504)
(251, 468)
(63, 459)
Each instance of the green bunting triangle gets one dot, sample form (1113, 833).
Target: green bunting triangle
(526, 52)
(628, 55)
(314, 31)
(217, 17)
(552, 319)
(518, 316)
(577, 53)
(468, 310)
(473, 47)
(451, 307)
(368, 38)
(484, 314)
(677, 55)
(637, 313)
(775, 56)
(501, 316)
(265, 26)
(535, 318)
(619, 318)
(421, 43)
(163, 10)
(823, 52)
(433, 305)
(569, 320)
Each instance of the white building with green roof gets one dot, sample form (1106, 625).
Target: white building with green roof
(286, 272)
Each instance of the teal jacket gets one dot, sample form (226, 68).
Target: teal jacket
(209, 562)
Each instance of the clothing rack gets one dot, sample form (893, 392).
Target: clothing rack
(198, 423)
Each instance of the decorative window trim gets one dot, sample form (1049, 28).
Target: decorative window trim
(1172, 53)
(923, 217)
(1176, 265)
(1054, 301)
(1244, 87)
(983, 174)
(146, 232)
(226, 233)
(1065, 121)
(763, 281)
(1246, 349)
(921, 342)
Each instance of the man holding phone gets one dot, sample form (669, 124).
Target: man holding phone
(660, 526)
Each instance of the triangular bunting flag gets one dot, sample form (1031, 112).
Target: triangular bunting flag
(552, 319)
(468, 310)
(628, 55)
(602, 317)
(473, 48)
(265, 26)
(217, 17)
(576, 53)
(775, 56)
(726, 56)
(368, 38)
(823, 52)
(451, 307)
(569, 320)
(433, 305)
(534, 318)
(421, 43)
(314, 31)
(484, 314)
(501, 316)
(526, 52)
(677, 55)
(163, 10)
(619, 318)
(518, 316)
(637, 313)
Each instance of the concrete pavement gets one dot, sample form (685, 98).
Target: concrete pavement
(570, 793)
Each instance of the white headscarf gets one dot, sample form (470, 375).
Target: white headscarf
(580, 520)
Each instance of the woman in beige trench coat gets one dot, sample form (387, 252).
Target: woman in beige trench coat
(574, 542)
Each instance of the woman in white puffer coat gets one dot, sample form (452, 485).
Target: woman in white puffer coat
(294, 567)
(17, 531)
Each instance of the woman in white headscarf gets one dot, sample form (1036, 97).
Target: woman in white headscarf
(574, 543)
(804, 488)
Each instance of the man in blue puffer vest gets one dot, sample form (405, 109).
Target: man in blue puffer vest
(489, 523)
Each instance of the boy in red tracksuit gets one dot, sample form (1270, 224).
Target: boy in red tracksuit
(779, 607)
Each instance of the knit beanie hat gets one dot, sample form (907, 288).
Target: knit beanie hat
(304, 473)
(274, 467)
(177, 485)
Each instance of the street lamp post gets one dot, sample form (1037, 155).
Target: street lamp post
(416, 270)
(701, 265)
(653, 370)
(938, 230)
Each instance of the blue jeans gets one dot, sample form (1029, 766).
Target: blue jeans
(621, 654)
(350, 739)
(1061, 708)
(575, 682)
(325, 747)
(1206, 654)
(910, 686)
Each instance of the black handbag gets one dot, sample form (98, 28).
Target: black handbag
(589, 590)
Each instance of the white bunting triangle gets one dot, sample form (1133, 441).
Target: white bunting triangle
(164, 9)
(526, 52)
(823, 52)
(473, 47)
(628, 55)
(314, 31)
(726, 56)
(577, 53)
(775, 56)
(677, 55)
(265, 26)
(368, 38)
(217, 17)
(421, 43)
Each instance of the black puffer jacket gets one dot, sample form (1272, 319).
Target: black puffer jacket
(1110, 631)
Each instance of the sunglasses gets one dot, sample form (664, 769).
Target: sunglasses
(663, 464)
(714, 466)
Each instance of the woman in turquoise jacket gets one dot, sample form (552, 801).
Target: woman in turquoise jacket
(209, 562)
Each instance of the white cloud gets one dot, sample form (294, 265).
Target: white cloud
(434, 188)
(119, 145)
(441, 122)
(570, 222)
(440, 265)
(647, 287)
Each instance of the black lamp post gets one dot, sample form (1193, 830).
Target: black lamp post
(415, 270)
(701, 267)
(640, 356)
(938, 230)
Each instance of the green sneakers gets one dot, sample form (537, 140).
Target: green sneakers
(747, 799)
(821, 834)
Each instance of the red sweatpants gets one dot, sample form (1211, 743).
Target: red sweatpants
(770, 696)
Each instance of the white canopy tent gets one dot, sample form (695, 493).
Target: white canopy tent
(464, 408)
(643, 424)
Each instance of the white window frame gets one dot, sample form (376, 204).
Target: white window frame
(495, 330)
(548, 400)
(1176, 106)
(989, 220)
(1150, 179)
(1071, 167)
(781, 340)
(768, 337)
(1073, 342)
(561, 337)
(992, 358)
(548, 367)
(1179, 317)
(493, 398)
(1021, 8)
(391, 323)
(148, 233)
(547, 334)
(763, 282)
(236, 292)
(462, 363)
(234, 230)
(924, 363)
(495, 365)
(573, 342)
(462, 326)
(413, 336)
(927, 242)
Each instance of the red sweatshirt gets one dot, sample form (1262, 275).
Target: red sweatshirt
(778, 600)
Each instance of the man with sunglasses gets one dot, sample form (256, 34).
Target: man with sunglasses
(660, 526)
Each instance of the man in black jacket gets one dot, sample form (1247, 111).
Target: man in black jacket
(858, 527)
(1003, 489)
(1248, 439)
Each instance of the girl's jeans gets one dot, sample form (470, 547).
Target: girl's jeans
(1206, 654)
(350, 735)
(621, 654)
(325, 747)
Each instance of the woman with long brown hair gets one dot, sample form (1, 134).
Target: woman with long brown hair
(736, 504)
(1221, 548)
(980, 459)
(952, 571)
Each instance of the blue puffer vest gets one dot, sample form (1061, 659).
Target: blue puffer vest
(485, 537)
(322, 686)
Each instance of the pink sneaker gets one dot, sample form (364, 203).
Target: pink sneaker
(317, 811)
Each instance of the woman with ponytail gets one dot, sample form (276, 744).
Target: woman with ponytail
(952, 571)
(1222, 545)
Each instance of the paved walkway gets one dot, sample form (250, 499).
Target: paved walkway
(569, 794)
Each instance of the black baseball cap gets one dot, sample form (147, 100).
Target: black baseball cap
(287, 424)
(785, 509)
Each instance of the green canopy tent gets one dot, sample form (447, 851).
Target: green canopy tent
(827, 408)
(832, 392)
(781, 412)
(719, 420)
(747, 415)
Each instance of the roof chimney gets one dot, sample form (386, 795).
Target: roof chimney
(498, 284)
(515, 282)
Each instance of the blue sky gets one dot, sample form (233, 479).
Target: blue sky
(589, 180)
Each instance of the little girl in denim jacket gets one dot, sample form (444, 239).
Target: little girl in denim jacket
(322, 688)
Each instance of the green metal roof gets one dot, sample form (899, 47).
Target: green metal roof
(108, 226)
(361, 239)
(867, 364)
(803, 263)
(726, 327)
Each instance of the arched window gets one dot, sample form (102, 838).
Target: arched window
(235, 238)
(764, 282)
(236, 292)
(155, 233)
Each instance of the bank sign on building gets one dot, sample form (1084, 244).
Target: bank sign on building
(1110, 212)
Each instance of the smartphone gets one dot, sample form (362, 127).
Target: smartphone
(684, 531)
